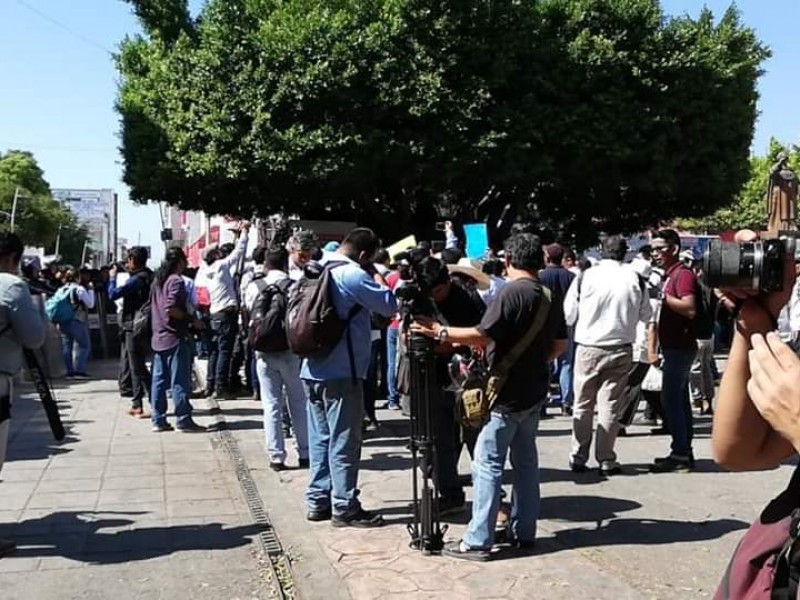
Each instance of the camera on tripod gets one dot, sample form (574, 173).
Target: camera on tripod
(757, 266)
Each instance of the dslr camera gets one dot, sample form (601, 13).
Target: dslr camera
(757, 266)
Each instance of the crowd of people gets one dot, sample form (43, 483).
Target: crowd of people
(603, 336)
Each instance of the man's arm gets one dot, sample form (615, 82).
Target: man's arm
(369, 293)
(86, 296)
(126, 289)
(27, 321)
(683, 302)
(241, 247)
(571, 302)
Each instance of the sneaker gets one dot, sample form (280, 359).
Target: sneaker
(610, 469)
(449, 505)
(277, 466)
(316, 515)
(578, 467)
(393, 406)
(461, 550)
(162, 427)
(363, 519)
(645, 420)
(667, 458)
(303, 463)
(7, 547)
(671, 464)
(190, 427)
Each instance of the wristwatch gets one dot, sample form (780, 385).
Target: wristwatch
(442, 334)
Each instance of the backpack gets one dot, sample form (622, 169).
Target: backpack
(142, 330)
(313, 327)
(60, 309)
(766, 563)
(267, 329)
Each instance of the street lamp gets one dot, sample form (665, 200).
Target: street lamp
(17, 196)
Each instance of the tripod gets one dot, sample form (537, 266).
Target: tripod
(427, 533)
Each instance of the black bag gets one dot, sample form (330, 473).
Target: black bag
(313, 327)
(142, 330)
(267, 330)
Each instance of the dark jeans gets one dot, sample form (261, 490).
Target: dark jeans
(225, 326)
(633, 392)
(675, 400)
(141, 381)
(242, 356)
(371, 383)
(448, 446)
(124, 381)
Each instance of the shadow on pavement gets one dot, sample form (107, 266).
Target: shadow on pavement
(68, 535)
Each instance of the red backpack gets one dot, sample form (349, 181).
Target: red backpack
(766, 563)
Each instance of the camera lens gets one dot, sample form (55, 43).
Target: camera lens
(732, 265)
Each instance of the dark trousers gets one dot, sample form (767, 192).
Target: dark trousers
(225, 326)
(448, 446)
(137, 364)
(124, 381)
(371, 383)
(242, 357)
(633, 392)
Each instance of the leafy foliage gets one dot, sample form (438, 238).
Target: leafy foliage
(581, 114)
(38, 216)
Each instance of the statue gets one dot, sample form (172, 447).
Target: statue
(782, 197)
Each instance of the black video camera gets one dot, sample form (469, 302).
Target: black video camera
(414, 290)
(756, 266)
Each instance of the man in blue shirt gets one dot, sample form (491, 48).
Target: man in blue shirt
(335, 387)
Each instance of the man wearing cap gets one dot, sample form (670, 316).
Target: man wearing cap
(302, 247)
(604, 305)
(558, 279)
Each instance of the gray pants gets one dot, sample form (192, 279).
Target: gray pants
(702, 377)
(601, 375)
(6, 391)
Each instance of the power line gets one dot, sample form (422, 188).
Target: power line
(36, 148)
(65, 27)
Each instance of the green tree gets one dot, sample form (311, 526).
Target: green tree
(38, 215)
(748, 209)
(582, 114)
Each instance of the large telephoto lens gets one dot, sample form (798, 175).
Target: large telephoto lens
(732, 265)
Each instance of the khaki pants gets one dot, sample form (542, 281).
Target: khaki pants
(601, 375)
(6, 391)
(702, 377)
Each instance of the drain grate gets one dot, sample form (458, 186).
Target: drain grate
(279, 563)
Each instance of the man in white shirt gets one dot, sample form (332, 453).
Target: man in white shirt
(221, 281)
(604, 304)
(278, 370)
(302, 247)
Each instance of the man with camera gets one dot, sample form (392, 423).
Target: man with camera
(134, 294)
(514, 418)
(678, 338)
(456, 307)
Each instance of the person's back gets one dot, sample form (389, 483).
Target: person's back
(334, 386)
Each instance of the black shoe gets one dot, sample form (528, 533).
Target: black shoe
(668, 458)
(566, 411)
(457, 550)
(363, 519)
(303, 463)
(646, 420)
(610, 471)
(450, 505)
(578, 467)
(162, 427)
(659, 431)
(191, 427)
(623, 432)
(672, 464)
(316, 516)
(277, 466)
(7, 547)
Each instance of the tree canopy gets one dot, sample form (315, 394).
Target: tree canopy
(38, 215)
(580, 114)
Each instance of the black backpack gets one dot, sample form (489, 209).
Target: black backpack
(142, 330)
(313, 326)
(267, 329)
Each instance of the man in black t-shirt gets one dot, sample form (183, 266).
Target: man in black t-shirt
(514, 420)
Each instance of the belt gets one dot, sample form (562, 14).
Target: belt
(226, 311)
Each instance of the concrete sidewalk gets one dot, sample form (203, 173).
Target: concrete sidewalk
(117, 511)
(638, 535)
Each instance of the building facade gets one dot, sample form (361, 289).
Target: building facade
(97, 210)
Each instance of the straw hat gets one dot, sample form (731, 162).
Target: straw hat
(468, 268)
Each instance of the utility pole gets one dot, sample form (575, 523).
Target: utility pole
(58, 240)
(14, 209)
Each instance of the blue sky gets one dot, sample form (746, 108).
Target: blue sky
(58, 87)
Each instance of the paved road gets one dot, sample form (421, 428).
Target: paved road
(117, 511)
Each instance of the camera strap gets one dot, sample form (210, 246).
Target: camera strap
(508, 361)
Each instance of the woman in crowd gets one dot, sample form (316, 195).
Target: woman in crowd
(76, 331)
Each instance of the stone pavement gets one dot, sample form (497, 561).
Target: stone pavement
(116, 511)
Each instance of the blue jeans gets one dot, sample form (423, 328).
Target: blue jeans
(335, 411)
(675, 400)
(392, 335)
(172, 369)
(75, 332)
(515, 431)
(276, 370)
(565, 363)
(225, 326)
